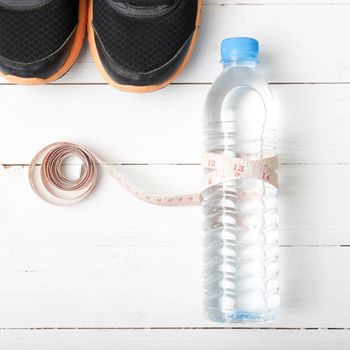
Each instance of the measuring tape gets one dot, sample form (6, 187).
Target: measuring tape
(50, 184)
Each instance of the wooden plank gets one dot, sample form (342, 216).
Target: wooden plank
(287, 55)
(165, 127)
(174, 339)
(292, 39)
(156, 287)
(313, 210)
(277, 2)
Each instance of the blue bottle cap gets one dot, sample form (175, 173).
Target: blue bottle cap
(239, 50)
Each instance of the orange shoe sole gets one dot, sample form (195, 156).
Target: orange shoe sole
(133, 88)
(73, 55)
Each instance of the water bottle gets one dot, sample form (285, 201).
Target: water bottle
(240, 215)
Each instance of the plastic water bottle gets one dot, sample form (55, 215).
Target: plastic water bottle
(240, 225)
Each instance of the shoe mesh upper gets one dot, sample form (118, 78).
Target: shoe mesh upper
(29, 35)
(143, 44)
(150, 2)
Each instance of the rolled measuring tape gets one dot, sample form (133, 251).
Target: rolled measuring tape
(49, 182)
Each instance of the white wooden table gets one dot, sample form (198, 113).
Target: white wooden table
(113, 272)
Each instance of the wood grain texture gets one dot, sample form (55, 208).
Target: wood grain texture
(277, 2)
(174, 339)
(126, 128)
(298, 43)
(115, 262)
(313, 210)
(156, 287)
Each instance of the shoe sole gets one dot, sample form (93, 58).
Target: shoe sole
(73, 55)
(133, 88)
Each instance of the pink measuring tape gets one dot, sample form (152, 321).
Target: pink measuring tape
(49, 183)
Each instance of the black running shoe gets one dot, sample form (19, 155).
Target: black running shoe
(40, 39)
(142, 45)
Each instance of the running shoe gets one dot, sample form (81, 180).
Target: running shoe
(40, 39)
(142, 45)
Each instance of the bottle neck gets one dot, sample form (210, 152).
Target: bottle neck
(248, 64)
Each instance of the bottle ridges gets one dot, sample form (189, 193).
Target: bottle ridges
(240, 249)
